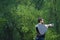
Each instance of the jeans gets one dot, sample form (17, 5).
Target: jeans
(39, 38)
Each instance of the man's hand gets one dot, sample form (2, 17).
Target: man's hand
(49, 25)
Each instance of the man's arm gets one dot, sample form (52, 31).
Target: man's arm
(37, 30)
(49, 25)
(38, 33)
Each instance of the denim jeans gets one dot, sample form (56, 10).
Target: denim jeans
(39, 38)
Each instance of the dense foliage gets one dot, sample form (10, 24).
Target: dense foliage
(19, 17)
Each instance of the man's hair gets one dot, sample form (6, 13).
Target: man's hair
(39, 19)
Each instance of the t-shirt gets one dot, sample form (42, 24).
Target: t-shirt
(42, 28)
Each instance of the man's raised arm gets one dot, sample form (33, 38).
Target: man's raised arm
(49, 25)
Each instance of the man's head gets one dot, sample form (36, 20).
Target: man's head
(40, 20)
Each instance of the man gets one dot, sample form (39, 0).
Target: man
(41, 29)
